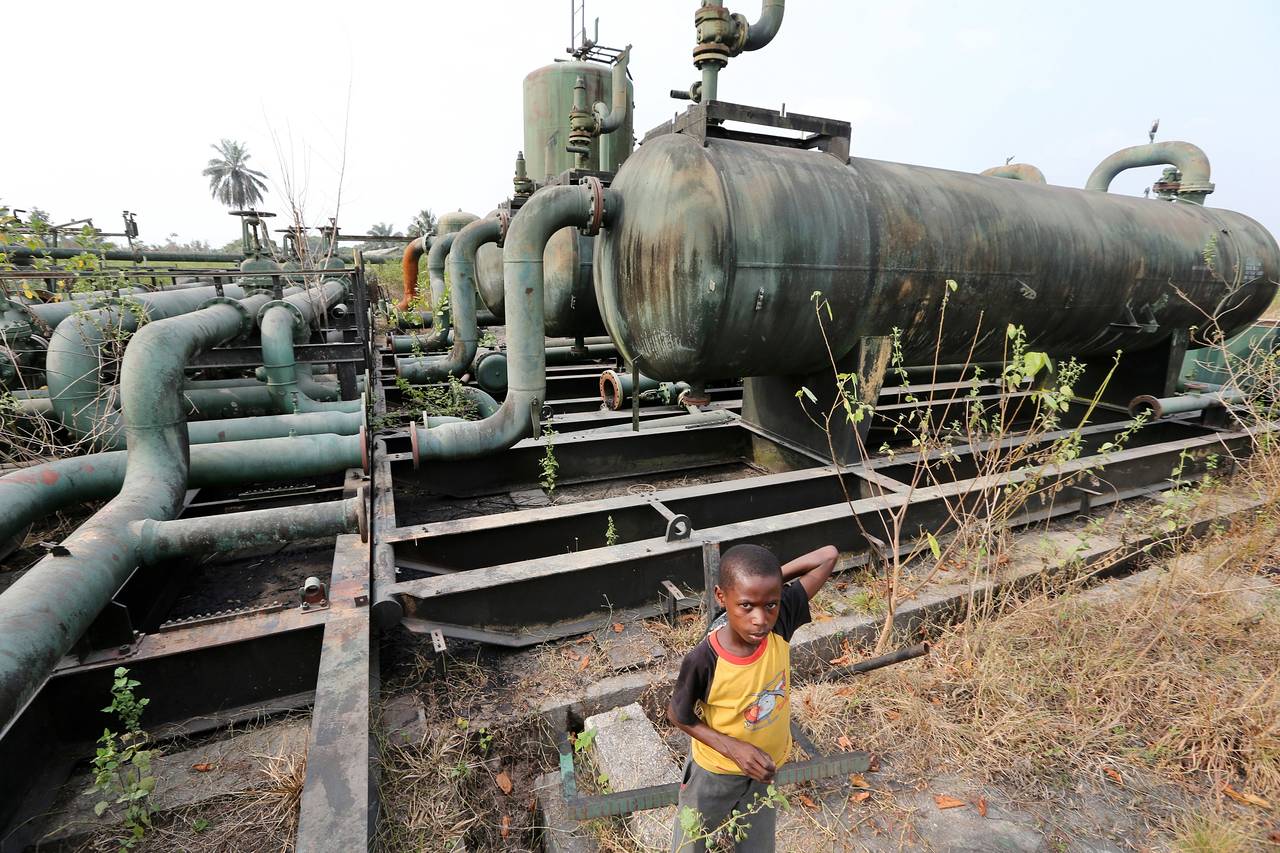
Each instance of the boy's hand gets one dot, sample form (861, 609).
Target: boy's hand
(754, 761)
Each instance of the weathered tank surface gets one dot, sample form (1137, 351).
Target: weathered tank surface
(569, 293)
(453, 220)
(710, 265)
(548, 99)
(489, 278)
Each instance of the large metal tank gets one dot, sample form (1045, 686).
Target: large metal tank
(453, 220)
(709, 268)
(548, 98)
(489, 280)
(568, 291)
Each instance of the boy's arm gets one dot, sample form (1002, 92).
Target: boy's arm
(812, 569)
(755, 762)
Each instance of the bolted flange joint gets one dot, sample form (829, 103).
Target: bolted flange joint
(595, 191)
(246, 322)
(504, 222)
(300, 331)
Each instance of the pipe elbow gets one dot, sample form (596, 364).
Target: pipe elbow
(413, 252)
(762, 31)
(610, 118)
(1187, 158)
(1017, 172)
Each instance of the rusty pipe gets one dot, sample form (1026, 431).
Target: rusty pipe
(610, 118)
(888, 659)
(413, 252)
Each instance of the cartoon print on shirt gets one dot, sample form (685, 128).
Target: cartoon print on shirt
(760, 712)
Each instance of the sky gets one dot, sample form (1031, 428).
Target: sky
(376, 110)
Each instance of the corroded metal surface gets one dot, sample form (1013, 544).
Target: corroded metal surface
(709, 268)
(548, 100)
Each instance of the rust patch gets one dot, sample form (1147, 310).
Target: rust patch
(49, 477)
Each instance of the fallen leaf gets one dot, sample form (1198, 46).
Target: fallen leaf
(617, 627)
(945, 802)
(821, 617)
(202, 767)
(808, 801)
(843, 660)
(892, 716)
(873, 764)
(844, 743)
(982, 806)
(1274, 836)
(1115, 777)
(858, 780)
(860, 796)
(582, 664)
(504, 782)
(846, 690)
(1245, 797)
(506, 825)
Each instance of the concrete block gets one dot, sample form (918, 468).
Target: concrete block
(628, 749)
(560, 833)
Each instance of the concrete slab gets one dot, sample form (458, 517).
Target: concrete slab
(404, 717)
(234, 764)
(560, 833)
(629, 751)
(629, 648)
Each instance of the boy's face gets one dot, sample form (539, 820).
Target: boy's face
(751, 606)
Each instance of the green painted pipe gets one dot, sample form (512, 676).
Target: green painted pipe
(53, 313)
(207, 403)
(1189, 159)
(491, 368)
(23, 254)
(167, 540)
(32, 493)
(73, 363)
(466, 334)
(706, 418)
(1162, 406)
(443, 319)
(46, 610)
(282, 322)
(616, 387)
(546, 212)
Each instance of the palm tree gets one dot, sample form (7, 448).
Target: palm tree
(231, 181)
(422, 223)
(381, 229)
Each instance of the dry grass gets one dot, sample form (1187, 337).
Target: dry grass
(1173, 684)
(439, 787)
(261, 819)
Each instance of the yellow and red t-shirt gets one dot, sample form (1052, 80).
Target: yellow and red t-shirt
(748, 698)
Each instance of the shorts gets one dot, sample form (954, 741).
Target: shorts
(714, 796)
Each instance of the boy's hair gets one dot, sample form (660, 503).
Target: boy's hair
(742, 561)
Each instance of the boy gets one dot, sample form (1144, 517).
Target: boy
(733, 695)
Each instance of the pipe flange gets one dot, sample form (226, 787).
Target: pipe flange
(300, 331)
(362, 513)
(611, 390)
(597, 205)
(246, 322)
(741, 29)
(690, 397)
(413, 444)
(1187, 187)
(504, 222)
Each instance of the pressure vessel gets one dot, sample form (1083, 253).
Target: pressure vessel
(719, 257)
(569, 294)
(548, 99)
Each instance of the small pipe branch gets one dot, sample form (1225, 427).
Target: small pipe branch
(1190, 161)
(1017, 172)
